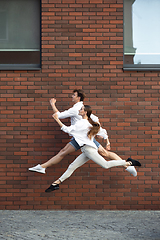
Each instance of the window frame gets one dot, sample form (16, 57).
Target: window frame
(136, 67)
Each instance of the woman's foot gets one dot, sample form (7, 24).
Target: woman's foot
(133, 162)
(53, 186)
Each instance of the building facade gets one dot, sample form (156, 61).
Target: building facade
(81, 47)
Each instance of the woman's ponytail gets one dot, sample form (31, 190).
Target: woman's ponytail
(96, 126)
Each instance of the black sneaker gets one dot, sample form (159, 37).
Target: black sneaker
(52, 188)
(134, 162)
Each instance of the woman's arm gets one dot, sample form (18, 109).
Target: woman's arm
(55, 116)
(64, 128)
(71, 130)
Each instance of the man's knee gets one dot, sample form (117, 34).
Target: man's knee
(103, 151)
(63, 152)
(66, 150)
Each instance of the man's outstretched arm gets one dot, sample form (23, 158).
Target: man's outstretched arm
(53, 102)
(71, 112)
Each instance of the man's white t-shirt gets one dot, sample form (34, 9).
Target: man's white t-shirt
(73, 114)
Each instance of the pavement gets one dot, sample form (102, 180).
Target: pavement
(79, 225)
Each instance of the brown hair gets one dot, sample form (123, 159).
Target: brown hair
(95, 129)
(80, 94)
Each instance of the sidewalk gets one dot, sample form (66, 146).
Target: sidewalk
(79, 225)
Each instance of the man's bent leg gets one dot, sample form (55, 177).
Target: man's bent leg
(57, 158)
(114, 156)
(110, 155)
(103, 152)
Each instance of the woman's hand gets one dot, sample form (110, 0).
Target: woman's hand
(52, 101)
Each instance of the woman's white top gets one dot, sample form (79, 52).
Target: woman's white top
(73, 113)
(79, 132)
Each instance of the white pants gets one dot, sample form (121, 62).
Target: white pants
(90, 153)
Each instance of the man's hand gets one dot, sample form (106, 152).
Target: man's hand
(98, 136)
(108, 147)
(52, 102)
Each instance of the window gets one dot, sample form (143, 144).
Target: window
(141, 35)
(19, 34)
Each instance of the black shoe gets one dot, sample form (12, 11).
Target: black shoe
(52, 188)
(134, 162)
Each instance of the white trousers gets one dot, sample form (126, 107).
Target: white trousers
(90, 153)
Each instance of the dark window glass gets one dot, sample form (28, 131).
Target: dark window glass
(19, 34)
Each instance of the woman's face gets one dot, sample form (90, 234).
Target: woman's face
(81, 111)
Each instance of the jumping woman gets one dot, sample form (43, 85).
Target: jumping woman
(84, 132)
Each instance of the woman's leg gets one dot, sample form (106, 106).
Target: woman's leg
(92, 154)
(78, 162)
(114, 156)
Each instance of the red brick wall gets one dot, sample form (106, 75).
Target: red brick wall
(82, 47)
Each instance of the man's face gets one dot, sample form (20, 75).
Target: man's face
(75, 97)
